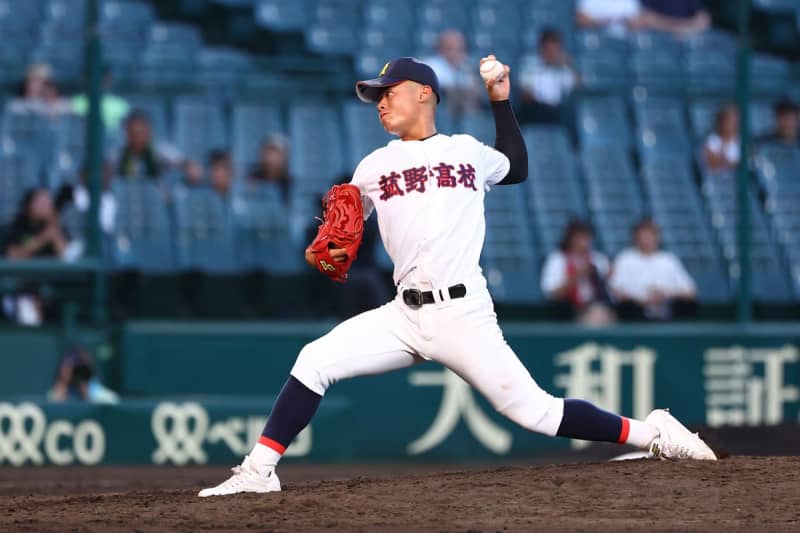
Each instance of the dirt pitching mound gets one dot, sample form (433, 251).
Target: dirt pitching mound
(739, 494)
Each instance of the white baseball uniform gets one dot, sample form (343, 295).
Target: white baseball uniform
(429, 195)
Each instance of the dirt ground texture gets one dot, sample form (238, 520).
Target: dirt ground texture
(735, 494)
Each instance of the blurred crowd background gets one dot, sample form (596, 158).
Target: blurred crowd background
(226, 120)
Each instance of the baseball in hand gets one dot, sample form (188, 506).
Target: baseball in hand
(492, 70)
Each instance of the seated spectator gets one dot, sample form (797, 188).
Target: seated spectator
(721, 151)
(38, 93)
(787, 115)
(113, 108)
(649, 283)
(77, 379)
(273, 165)
(617, 17)
(574, 277)
(679, 17)
(546, 80)
(458, 77)
(220, 172)
(36, 232)
(142, 158)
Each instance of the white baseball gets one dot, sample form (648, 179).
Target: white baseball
(492, 70)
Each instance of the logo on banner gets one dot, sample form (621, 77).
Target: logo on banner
(181, 431)
(26, 437)
(457, 403)
(594, 373)
(745, 386)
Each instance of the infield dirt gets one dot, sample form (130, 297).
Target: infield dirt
(735, 494)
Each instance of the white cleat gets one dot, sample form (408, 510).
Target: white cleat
(246, 477)
(675, 441)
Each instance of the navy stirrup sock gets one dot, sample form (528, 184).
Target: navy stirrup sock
(583, 420)
(293, 410)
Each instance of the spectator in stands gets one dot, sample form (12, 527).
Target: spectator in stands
(220, 172)
(721, 151)
(649, 283)
(142, 157)
(38, 92)
(77, 379)
(546, 80)
(458, 77)
(787, 117)
(77, 196)
(113, 108)
(679, 17)
(36, 232)
(574, 277)
(273, 165)
(617, 17)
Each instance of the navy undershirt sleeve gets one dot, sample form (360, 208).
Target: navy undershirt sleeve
(508, 140)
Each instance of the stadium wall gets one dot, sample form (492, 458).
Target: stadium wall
(198, 393)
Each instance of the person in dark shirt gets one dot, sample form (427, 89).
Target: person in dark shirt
(220, 172)
(787, 121)
(273, 165)
(679, 17)
(36, 230)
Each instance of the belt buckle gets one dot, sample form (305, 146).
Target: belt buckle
(413, 298)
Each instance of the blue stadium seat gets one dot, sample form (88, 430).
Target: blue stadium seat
(263, 238)
(204, 231)
(315, 144)
(769, 75)
(65, 19)
(509, 261)
(555, 196)
(282, 15)
(656, 62)
(613, 193)
(480, 125)
(221, 69)
(661, 126)
(199, 127)
(252, 124)
(332, 39)
(363, 131)
(17, 175)
(142, 234)
(603, 120)
(19, 21)
(603, 61)
(382, 14)
(710, 62)
(29, 132)
(65, 58)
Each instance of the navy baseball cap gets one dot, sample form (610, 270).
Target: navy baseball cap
(396, 71)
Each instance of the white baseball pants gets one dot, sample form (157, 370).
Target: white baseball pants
(461, 334)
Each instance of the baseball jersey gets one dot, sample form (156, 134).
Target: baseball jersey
(428, 195)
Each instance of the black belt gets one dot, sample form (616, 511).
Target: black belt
(418, 298)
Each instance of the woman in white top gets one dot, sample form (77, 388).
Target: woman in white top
(721, 150)
(574, 277)
(649, 283)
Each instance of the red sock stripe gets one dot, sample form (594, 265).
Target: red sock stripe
(623, 432)
(277, 446)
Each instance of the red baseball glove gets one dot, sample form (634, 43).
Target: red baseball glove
(342, 227)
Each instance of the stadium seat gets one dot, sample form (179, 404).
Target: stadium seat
(603, 61)
(26, 131)
(710, 62)
(656, 63)
(315, 145)
(363, 131)
(388, 13)
(282, 15)
(480, 125)
(142, 234)
(263, 238)
(17, 175)
(252, 124)
(661, 126)
(603, 120)
(222, 68)
(332, 39)
(204, 231)
(613, 193)
(509, 261)
(199, 128)
(769, 75)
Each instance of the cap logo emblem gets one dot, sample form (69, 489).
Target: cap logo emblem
(383, 70)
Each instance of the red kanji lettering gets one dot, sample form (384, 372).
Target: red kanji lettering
(415, 179)
(466, 176)
(444, 175)
(389, 186)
